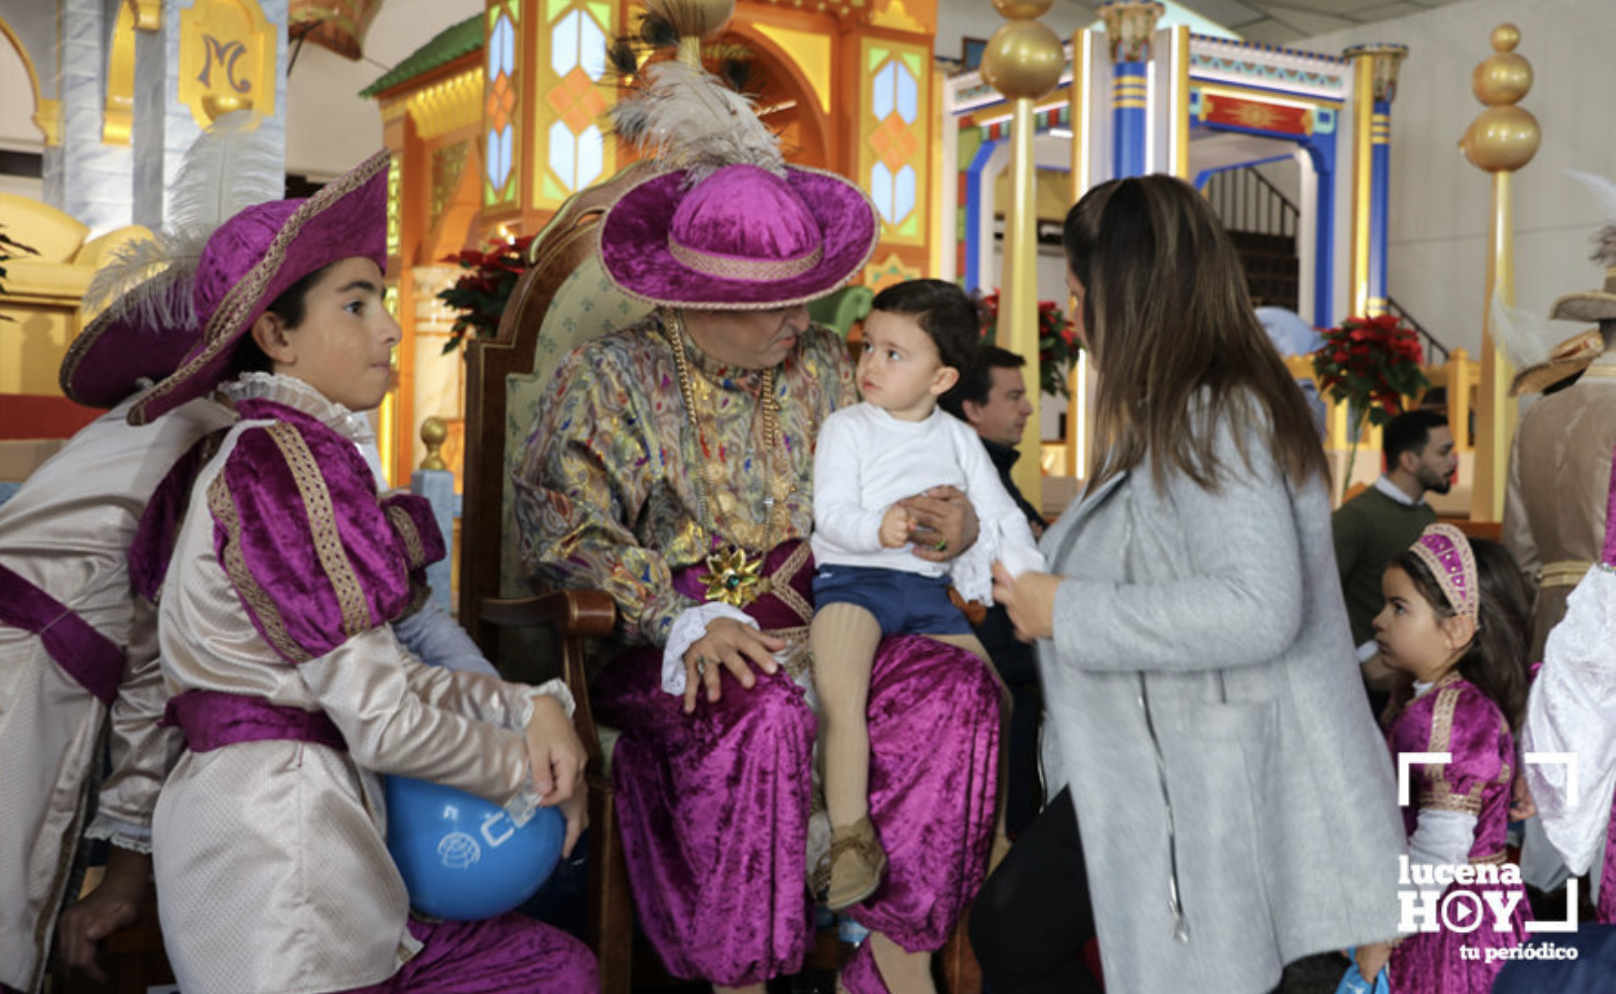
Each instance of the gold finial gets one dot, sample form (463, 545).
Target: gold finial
(1022, 10)
(1023, 59)
(1503, 137)
(434, 431)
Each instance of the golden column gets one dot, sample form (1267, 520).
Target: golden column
(1023, 61)
(1501, 139)
(1374, 70)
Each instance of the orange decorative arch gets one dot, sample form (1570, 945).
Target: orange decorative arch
(808, 127)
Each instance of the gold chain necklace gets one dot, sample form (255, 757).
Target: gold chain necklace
(734, 575)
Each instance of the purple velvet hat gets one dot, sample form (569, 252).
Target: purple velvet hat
(145, 334)
(256, 256)
(741, 239)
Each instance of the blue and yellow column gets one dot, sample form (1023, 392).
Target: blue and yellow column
(1374, 87)
(1129, 24)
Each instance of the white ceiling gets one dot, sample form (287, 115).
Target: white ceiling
(1281, 22)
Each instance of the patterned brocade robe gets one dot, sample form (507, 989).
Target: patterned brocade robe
(604, 501)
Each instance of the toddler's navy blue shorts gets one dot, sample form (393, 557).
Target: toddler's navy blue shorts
(903, 603)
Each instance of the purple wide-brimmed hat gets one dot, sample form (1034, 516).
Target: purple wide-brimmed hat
(256, 256)
(741, 239)
(144, 335)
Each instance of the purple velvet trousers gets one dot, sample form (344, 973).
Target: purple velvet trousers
(714, 808)
(510, 954)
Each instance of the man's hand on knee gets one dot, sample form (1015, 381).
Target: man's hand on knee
(728, 645)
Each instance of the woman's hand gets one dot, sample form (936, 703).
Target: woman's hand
(729, 645)
(114, 904)
(556, 752)
(944, 523)
(1371, 958)
(1029, 599)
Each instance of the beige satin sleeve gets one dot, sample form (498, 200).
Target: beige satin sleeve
(364, 687)
(482, 696)
(141, 752)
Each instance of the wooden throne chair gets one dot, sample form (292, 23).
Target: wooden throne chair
(563, 300)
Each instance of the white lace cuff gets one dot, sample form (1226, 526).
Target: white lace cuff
(687, 630)
(972, 570)
(123, 834)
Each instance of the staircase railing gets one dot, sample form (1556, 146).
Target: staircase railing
(1246, 201)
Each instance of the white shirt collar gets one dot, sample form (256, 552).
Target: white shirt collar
(1392, 490)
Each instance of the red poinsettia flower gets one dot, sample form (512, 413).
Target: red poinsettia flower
(1058, 344)
(481, 293)
(1371, 364)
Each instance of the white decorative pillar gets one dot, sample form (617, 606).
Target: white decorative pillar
(81, 175)
(204, 59)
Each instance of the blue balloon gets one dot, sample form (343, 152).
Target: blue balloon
(463, 858)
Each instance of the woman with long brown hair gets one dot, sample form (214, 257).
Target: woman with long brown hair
(1224, 802)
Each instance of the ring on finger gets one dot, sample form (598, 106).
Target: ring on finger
(942, 545)
(701, 666)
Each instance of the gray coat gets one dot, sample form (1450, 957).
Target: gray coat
(1206, 710)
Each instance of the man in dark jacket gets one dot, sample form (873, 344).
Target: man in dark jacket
(992, 398)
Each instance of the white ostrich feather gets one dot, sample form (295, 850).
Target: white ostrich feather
(1524, 336)
(129, 265)
(232, 165)
(1604, 192)
(686, 118)
(1602, 189)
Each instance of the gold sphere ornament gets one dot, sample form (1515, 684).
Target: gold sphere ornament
(1023, 59)
(1501, 139)
(1022, 10)
(1506, 37)
(434, 432)
(1501, 78)
(700, 18)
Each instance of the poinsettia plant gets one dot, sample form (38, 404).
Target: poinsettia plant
(481, 293)
(1371, 364)
(1058, 344)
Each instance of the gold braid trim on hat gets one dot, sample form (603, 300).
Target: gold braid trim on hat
(731, 267)
(244, 296)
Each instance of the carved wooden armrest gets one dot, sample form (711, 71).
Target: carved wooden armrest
(571, 616)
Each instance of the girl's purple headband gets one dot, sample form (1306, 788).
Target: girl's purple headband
(1447, 553)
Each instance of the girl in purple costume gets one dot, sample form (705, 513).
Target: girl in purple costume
(1455, 621)
(289, 683)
